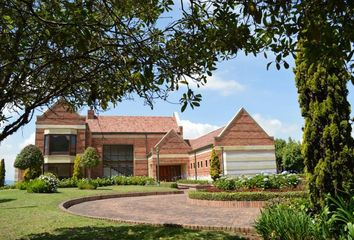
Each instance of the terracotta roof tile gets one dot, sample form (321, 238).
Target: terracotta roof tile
(205, 140)
(132, 124)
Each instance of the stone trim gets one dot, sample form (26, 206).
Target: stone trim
(60, 131)
(59, 159)
(58, 126)
(227, 204)
(250, 147)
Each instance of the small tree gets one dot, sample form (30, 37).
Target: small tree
(2, 172)
(280, 144)
(292, 158)
(215, 170)
(90, 159)
(30, 158)
(77, 167)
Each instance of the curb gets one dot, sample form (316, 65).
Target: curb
(226, 204)
(247, 232)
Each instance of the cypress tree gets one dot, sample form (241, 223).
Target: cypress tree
(2, 172)
(327, 144)
(215, 170)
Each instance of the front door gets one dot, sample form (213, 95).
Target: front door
(170, 173)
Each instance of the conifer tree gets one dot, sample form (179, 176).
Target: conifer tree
(77, 167)
(327, 142)
(2, 172)
(215, 170)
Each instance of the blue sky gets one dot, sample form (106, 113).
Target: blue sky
(268, 95)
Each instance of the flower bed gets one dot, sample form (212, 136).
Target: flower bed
(244, 196)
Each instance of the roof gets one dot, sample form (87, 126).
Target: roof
(132, 124)
(205, 140)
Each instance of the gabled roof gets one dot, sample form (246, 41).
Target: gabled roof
(205, 140)
(132, 124)
(172, 133)
(235, 118)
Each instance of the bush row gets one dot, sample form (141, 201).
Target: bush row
(191, 181)
(243, 196)
(101, 182)
(260, 181)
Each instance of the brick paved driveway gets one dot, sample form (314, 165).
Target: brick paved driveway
(167, 209)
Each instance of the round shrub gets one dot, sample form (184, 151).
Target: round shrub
(68, 183)
(29, 157)
(22, 185)
(32, 173)
(46, 183)
(87, 184)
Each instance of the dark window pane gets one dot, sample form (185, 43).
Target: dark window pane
(46, 144)
(72, 144)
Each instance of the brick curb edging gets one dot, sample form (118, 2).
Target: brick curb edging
(245, 231)
(226, 204)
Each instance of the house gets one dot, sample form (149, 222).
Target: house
(150, 145)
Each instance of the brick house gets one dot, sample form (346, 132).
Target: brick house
(137, 145)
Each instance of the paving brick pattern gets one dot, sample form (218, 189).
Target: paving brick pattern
(168, 209)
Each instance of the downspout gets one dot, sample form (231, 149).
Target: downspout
(195, 166)
(222, 160)
(158, 166)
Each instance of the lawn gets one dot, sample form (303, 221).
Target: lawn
(37, 216)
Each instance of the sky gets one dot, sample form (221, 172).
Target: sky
(268, 95)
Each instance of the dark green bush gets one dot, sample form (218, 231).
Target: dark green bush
(37, 186)
(134, 180)
(68, 183)
(174, 185)
(283, 223)
(30, 156)
(192, 181)
(87, 184)
(102, 182)
(243, 196)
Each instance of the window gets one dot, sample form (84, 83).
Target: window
(201, 163)
(206, 163)
(118, 153)
(198, 164)
(191, 165)
(59, 144)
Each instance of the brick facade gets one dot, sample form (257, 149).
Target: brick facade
(150, 138)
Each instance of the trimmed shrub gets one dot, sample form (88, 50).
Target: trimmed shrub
(46, 183)
(2, 173)
(174, 185)
(67, 183)
(134, 180)
(77, 167)
(102, 182)
(243, 196)
(29, 157)
(87, 184)
(215, 170)
(90, 159)
(22, 185)
(192, 181)
(280, 222)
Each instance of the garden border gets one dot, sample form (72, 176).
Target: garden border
(247, 232)
(227, 204)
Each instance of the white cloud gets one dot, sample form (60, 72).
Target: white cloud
(29, 140)
(275, 127)
(224, 87)
(193, 130)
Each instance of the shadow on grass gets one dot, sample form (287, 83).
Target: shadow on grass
(135, 232)
(7, 200)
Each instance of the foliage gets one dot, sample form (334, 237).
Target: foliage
(2, 173)
(193, 181)
(90, 159)
(174, 185)
(292, 159)
(92, 53)
(215, 169)
(77, 167)
(259, 181)
(244, 196)
(46, 183)
(68, 183)
(87, 184)
(279, 222)
(327, 142)
(29, 157)
(279, 148)
(21, 185)
(134, 180)
(32, 173)
(102, 182)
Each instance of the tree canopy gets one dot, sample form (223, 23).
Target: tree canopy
(29, 157)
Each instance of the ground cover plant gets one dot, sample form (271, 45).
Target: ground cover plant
(37, 217)
(193, 181)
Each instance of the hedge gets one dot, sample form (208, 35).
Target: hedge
(191, 181)
(244, 196)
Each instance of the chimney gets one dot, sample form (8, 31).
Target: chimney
(90, 114)
(180, 128)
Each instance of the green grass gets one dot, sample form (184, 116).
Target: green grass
(37, 216)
